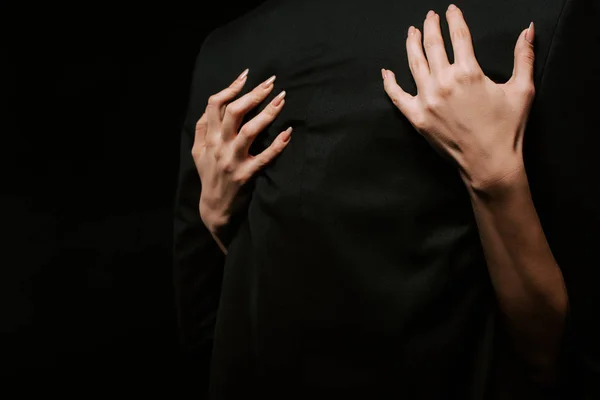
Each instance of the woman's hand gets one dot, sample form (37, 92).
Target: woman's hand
(480, 125)
(221, 147)
(459, 110)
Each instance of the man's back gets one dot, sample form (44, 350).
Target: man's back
(358, 269)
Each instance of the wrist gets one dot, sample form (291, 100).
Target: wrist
(498, 185)
(212, 220)
(214, 225)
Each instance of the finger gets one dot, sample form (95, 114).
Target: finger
(524, 57)
(256, 125)
(434, 43)
(235, 112)
(217, 102)
(404, 101)
(200, 134)
(460, 35)
(419, 68)
(259, 161)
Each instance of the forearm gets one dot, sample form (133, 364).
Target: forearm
(215, 225)
(219, 242)
(528, 282)
(223, 223)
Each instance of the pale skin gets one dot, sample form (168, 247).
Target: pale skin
(479, 125)
(472, 121)
(221, 146)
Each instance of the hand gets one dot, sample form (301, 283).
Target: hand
(221, 147)
(477, 123)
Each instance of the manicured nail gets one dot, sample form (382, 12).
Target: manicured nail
(530, 33)
(430, 14)
(286, 135)
(277, 100)
(269, 82)
(411, 31)
(452, 7)
(243, 75)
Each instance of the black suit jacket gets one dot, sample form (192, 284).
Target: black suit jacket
(357, 269)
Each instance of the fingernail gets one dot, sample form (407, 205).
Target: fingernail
(530, 33)
(411, 31)
(243, 75)
(452, 7)
(430, 14)
(383, 73)
(277, 100)
(286, 135)
(269, 81)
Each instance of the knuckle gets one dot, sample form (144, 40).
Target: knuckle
(477, 75)
(529, 56)
(417, 64)
(433, 42)
(271, 111)
(240, 177)
(431, 103)
(256, 99)
(262, 161)
(444, 88)
(210, 142)
(460, 34)
(419, 121)
(227, 165)
(468, 73)
(245, 132)
(444, 91)
(528, 89)
(233, 109)
(214, 101)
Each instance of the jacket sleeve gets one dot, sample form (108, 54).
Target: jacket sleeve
(561, 155)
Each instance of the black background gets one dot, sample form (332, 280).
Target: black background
(96, 97)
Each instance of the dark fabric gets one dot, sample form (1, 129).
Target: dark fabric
(358, 270)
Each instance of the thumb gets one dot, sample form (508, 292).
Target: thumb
(402, 100)
(524, 57)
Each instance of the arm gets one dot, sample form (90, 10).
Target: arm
(480, 126)
(528, 282)
(215, 166)
(198, 270)
(197, 260)
(221, 153)
(562, 166)
(219, 243)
